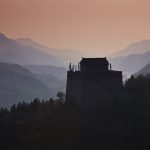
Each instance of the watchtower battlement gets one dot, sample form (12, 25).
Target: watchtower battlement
(94, 65)
(92, 83)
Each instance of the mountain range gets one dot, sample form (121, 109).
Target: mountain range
(19, 84)
(27, 72)
(133, 58)
(13, 52)
(58, 72)
(64, 55)
(132, 63)
(29, 69)
(25, 52)
(52, 76)
(145, 70)
(133, 48)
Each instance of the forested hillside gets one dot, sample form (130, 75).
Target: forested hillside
(122, 125)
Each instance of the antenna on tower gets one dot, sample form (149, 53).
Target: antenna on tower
(70, 66)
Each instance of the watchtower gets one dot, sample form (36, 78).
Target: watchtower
(93, 83)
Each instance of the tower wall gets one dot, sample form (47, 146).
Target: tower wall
(100, 92)
(74, 90)
(89, 92)
(93, 85)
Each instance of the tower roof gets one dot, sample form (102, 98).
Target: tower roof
(94, 61)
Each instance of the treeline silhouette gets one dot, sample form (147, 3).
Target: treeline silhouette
(53, 125)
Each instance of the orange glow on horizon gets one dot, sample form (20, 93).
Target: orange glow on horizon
(95, 27)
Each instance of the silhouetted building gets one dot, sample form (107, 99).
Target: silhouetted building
(93, 84)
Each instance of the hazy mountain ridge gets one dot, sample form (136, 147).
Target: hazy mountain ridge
(13, 52)
(53, 77)
(42, 66)
(43, 79)
(132, 63)
(145, 70)
(133, 48)
(133, 58)
(16, 68)
(19, 84)
(65, 55)
(52, 82)
(59, 72)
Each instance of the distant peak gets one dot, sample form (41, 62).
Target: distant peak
(24, 39)
(146, 40)
(2, 35)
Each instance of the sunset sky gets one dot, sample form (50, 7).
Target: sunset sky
(96, 27)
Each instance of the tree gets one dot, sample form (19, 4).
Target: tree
(61, 96)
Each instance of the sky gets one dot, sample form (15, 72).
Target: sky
(94, 27)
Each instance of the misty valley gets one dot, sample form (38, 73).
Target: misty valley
(44, 104)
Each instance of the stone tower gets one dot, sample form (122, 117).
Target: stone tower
(93, 83)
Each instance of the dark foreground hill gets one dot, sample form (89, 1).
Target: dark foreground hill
(19, 84)
(121, 125)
